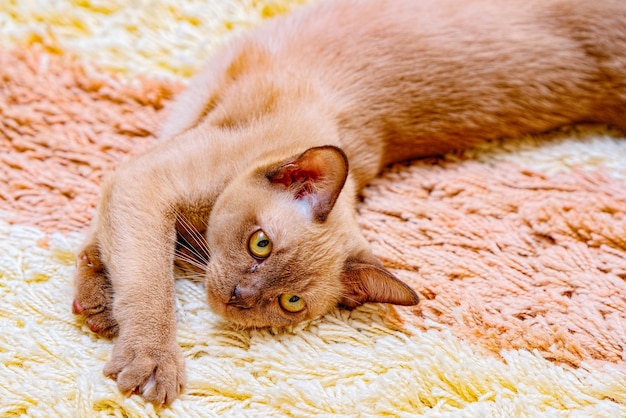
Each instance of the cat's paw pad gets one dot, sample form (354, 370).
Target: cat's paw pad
(99, 319)
(93, 295)
(157, 373)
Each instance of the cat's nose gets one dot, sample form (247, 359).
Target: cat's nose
(242, 297)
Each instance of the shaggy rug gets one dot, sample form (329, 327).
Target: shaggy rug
(517, 248)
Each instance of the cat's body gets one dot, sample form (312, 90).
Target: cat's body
(265, 153)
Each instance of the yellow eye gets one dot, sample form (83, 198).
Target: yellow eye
(291, 303)
(260, 245)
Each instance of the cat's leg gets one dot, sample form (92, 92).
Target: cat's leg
(93, 293)
(136, 240)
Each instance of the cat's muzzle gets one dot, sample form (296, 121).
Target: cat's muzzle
(243, 297)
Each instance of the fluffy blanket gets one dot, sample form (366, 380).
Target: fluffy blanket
(517, 249)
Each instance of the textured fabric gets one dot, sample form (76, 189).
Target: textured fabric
(517, 248)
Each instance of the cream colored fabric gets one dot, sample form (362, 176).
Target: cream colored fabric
(169, 38)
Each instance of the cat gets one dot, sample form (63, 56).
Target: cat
(254, 180)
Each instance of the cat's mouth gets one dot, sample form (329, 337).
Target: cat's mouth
(237, 304)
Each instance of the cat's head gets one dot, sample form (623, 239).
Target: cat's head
(285, 246)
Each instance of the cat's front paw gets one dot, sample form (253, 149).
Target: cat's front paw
(154, 372)
(93, 294)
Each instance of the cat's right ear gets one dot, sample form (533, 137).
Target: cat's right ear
(366, 280)
(315, 177)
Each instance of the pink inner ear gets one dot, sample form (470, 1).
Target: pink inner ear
(292, 173)
(318, 175)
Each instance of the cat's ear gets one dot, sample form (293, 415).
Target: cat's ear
(366, 280)
(315, 177)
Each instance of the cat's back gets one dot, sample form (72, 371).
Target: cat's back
(439, 68)
(351, 33)
(355, 36)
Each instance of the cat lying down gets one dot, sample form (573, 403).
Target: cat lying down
(253, 183)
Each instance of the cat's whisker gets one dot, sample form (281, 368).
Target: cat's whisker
(189, 227)
(199, 246)
(194, 277)
(182, 219)
(189, 246)
(190, 260)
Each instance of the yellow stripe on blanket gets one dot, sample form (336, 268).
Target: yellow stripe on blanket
(168, 38)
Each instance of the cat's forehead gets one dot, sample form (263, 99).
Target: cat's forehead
(246, 209)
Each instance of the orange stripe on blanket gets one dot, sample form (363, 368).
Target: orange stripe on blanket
(508, 258)
(62, 125)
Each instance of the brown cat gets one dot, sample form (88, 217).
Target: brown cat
(253, 184)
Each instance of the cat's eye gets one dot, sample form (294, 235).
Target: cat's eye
(291, 303)
(259, 245)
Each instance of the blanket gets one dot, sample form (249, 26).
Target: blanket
(517, 248)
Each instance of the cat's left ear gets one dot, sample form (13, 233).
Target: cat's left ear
(366, 280)
(315, 177)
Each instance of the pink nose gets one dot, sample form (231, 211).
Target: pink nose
(243, 297)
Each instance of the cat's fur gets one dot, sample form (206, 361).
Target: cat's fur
(264, 136)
